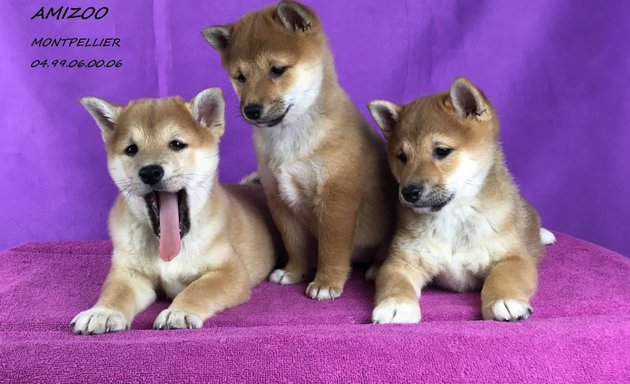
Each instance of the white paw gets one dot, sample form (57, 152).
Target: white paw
(370, 274)
(98, 320)
(282, 277)
(319, 292)
(546, 237)
(393, 310)
(510, 310)
(177, 319)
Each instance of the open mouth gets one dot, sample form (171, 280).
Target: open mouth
(278, 119)
(170, 220)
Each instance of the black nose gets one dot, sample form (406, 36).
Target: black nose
(253, 111)
(151, 174)
(411, 193)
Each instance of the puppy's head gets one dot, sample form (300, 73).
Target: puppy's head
(440, 147)
(275, 58)
(158, 148)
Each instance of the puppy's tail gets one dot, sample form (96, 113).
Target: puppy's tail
(252, 178)
(546, 237)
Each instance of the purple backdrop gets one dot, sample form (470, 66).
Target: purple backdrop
(557, 71)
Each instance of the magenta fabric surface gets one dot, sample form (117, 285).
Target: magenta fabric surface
(579, 333)
(557, 71)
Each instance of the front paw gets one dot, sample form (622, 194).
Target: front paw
(98, 320)
(318, 291)
(395, 310)
(177, 319)
(507, 310)
(284, 277)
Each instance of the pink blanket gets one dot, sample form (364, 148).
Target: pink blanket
(580, 330)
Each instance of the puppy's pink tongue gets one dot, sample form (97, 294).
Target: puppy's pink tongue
(170, 242)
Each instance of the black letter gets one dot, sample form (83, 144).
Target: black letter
(74, 15)
(39, 13)
(97, 17)
(88, 16)
(52, 12)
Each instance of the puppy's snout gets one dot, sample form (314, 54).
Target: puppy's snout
(151, 174)
(253, 111)
(411, 193)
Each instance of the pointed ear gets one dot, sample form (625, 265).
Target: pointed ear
(385, 114)
(104, 113)
(217, 36)
(468, 101)
(208, 108)
(296, 17)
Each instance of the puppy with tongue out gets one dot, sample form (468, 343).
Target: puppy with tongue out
(175, 229)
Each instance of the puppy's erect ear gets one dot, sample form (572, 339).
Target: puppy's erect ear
(217, 36)
(385, 114)
(208, 107)
(468, 101)
(296, 17)
(104, 113)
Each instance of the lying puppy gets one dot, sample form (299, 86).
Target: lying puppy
(462, 222)
(323, 168)
(175, 229)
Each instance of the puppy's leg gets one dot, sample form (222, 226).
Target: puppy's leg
(379, 256)
(124, 294)
(509, 286)
(298, 242)
(398, 285)
(213, 292)
(337, 213)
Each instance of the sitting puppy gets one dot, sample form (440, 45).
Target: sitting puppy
(323, 168)
(462, 222)
(175, 229)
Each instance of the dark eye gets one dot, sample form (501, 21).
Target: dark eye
(402, 157)
(441, 153)
(131, 150)
(278, 71)
(177, 145)
(240, 78)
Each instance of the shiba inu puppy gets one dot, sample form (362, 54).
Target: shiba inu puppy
(175, 229)
(323, 168)
(462, 223)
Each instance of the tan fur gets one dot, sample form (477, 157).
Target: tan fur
(322, 167)
(486, 236)
(230, 246)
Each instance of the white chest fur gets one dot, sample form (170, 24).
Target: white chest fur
(294, 138)
(188, 266)
(298, 182)
(202, 249)
(458, 244)
(176, 275)
(285, 159)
